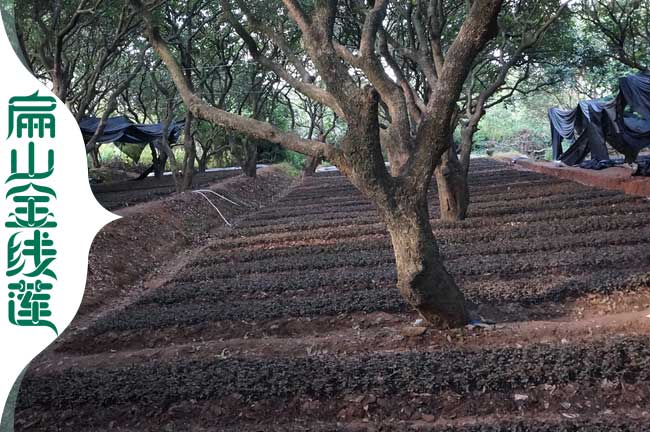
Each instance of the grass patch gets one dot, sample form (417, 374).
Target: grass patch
(289, 169)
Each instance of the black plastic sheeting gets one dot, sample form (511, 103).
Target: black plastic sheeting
(623, 122)
(122, 130)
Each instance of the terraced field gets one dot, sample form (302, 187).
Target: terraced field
(129, 192)
(291, 321)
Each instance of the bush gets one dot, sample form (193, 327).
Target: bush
(296, 160)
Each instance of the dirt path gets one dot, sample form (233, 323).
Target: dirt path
(295, 311)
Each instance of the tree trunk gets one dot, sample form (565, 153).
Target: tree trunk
(203, 161)
(60, 82)
(160, 167)
(166, 152)
(453, 191)
(160, 160)
(248, 162)
(95, 156)
(311, 163)
(190, 154)
(466, 145)
(421, 276)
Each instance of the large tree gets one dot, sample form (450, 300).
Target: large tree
(622, 28)
(522, 59)
(379, 107)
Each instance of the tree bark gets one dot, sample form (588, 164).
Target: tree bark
(421, 276)
(309, 168)
(95, 156)
(166, 150)
(203, 163)
(244, 151)
(453, 191)
(190, 154)
(467, 132)
(160, 166)
(60, 82)
(159, 161)
(249, 160)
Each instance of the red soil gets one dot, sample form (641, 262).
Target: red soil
(616, 178)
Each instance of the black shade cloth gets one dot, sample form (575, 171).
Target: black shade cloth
(642, 169)
(622, 122)
(122, 130)
(599, 165)
(636, 93)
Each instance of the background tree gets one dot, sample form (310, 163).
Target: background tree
(82, 47)
(525, 57)
(321, 123)
(624, 30)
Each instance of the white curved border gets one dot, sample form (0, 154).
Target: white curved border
(76, 211)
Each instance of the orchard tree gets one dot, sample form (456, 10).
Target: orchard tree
(522, 59)
(379, 107)
(152, 98)
(82, 48)
(320, 124)
(186, 22)
(622, 29)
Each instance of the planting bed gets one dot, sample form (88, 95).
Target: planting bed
(291, 321)
(128, 192)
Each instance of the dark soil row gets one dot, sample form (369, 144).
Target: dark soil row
(635, 253)
(305, 196)
(527, 288)
(155, 316)
(612, 206)
(126, 193)
(501, 369)
(565, 425)
(158, 313)
(479, 209)
(548, 223)
(450, 247)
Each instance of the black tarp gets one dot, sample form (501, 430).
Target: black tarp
(623, 122)
(121, 129)
(636, 93)
(130, 137)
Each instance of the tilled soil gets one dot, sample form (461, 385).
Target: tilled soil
(125, 193)
(291, 321)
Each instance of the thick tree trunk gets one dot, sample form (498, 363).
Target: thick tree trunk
(309, 168)
(453, 191)
(421, 276)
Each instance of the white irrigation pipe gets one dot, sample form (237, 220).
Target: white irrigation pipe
(212, 204)
(219, 195)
